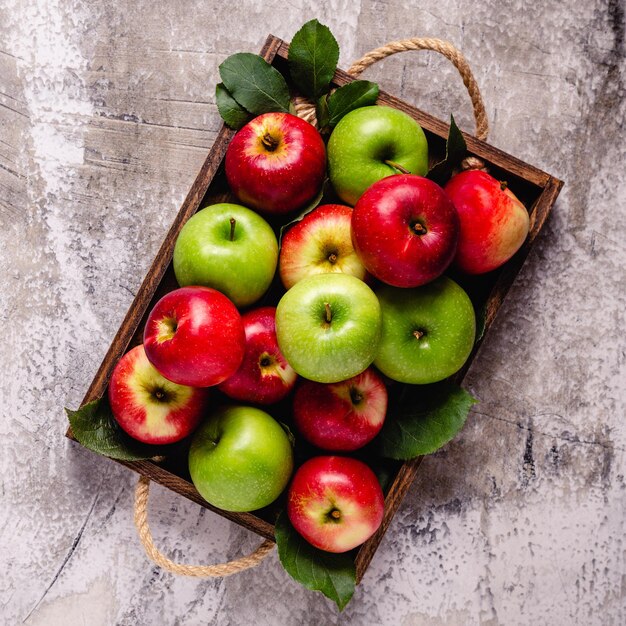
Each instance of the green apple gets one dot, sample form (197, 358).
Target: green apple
(230, 248)
(372, 143)
(240, 459)
(328, 327)
(427, 333)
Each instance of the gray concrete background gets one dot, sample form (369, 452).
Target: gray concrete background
(106, 113)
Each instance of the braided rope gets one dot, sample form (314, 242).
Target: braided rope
(442, 47)
(199, 571)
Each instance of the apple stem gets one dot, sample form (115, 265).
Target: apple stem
(329, 313)
(397, 166)
(419, 229)
(269, 142)
(418, 334)
(503, 185)
(335, 514)
(332, 258)
(233, 223)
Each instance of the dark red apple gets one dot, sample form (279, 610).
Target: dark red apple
(335, 502)
(341, 416)
(405, 230)
(276, 163)
(494, 223)
(194, 336)
(149, 407)
(320, 243)
(264, 376)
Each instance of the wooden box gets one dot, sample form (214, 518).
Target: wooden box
(536, 189)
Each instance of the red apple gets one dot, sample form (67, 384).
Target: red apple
(335, 502)
(276, 163)
(494, 223)
(341, 416)
(405, 230)
(264, 376)
(149, 407)
(318, 244)
(194, 336)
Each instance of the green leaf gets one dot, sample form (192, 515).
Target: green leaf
(481, 320)
(322, 113)
(313, 56)
(254, 83)
(422, 419)
(332, 574)
(231, 111)
(94, 426)
(303, 213)
(359, 93)
(456, 149)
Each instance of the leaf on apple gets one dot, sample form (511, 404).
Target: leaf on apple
(303, 213)
(332, 574)
(354, 95)
(254, 83)
(94, 427)
(456, 149)
(422, 419)
(313, 56)
(231, 111)
(481, 321)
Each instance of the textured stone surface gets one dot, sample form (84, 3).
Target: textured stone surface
(106, 113)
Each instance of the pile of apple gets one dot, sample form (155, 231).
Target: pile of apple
(365, 304)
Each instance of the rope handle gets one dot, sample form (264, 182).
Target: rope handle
(306, 110)
(220, 570)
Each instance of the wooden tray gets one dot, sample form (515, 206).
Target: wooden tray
(536, 189)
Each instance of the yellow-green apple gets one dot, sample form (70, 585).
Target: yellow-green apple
(494, 223)
(335, 502)
(428, 332)
(276, 163)
(341, 416)
(149, 407)
(264, 376)
(320, 243)
(405, 230)
(194, 336)
(328, 327)
(371, 143)
(240, 459)
(230, 248)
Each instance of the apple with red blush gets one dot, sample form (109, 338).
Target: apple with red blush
(341, 416)
(194, 336)
(148, 406)
(276, 163)
(320, 243)
(493, 222)
(405, 230)
(264, 376)
(335, 502)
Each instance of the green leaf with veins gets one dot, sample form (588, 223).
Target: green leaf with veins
(313, 56)
(231, 111)
(254, 83)
(423, 418)
(354, 95)
(332, 574)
